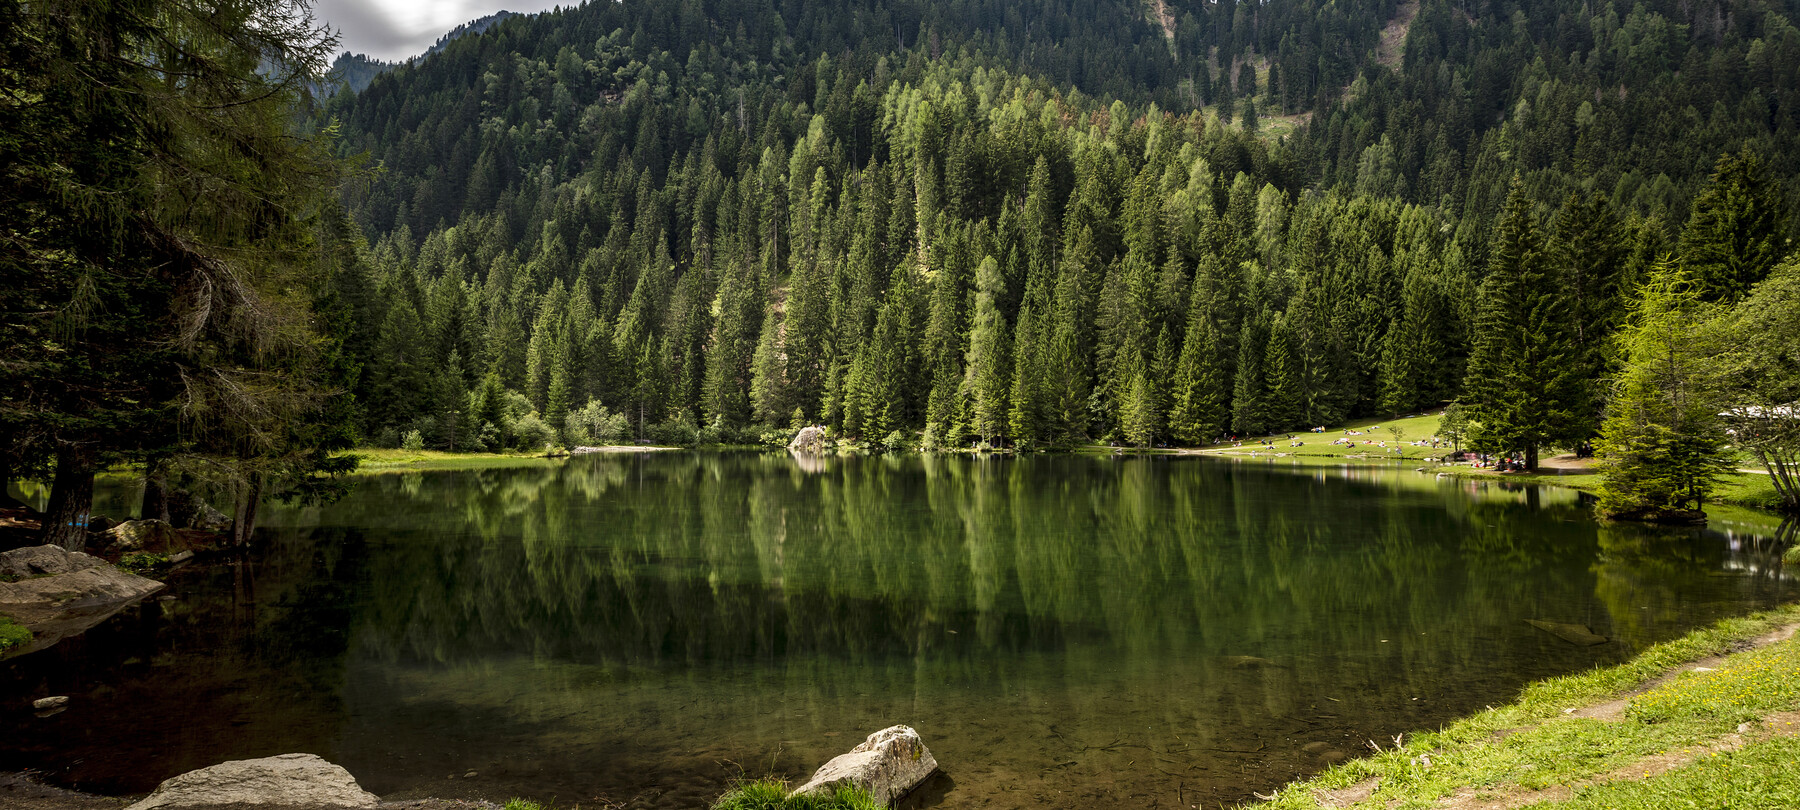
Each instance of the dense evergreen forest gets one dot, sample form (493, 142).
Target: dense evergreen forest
(1036, 224)
(1029, 224)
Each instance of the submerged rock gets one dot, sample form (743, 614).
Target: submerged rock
(1249, 662)
(288, 779)
(808, 440)
(55, 702)
(889, 764)
(67, 592)
(1577, 634)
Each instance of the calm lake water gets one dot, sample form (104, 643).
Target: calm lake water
(1088, 631)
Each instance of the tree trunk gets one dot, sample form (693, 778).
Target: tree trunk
(156, 493)
(244, 522)
(71, 497)
(1531, 458)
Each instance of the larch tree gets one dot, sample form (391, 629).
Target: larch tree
(1663, 444)
(988, 370)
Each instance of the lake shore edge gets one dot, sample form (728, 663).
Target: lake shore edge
(1577, 741)
(1672, 722)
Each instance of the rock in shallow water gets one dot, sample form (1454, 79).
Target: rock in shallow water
(889, 764)
(143, 535)
(36, 561)
(288, 779)
(1573, 633)
(808, 440)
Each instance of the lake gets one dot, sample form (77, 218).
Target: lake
(1077, 630)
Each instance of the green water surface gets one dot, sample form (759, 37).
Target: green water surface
(1080, 631)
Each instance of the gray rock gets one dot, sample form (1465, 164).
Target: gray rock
(889, 764)
(143, 535)
(50, 702)
(288, 779)
(37, 561)
(808, 440)
(79, 592)
(1577, 634)
(208, 519)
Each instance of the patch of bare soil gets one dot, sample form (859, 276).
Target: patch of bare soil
(1393, 35)
(1166, 18)
(1567, 463)
(1344, 797)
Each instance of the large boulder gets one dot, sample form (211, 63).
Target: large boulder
(62, 593)
(808, 440)
(189, 512)
(38, 561)
(300, 780)
(144, 535)
(889, 764)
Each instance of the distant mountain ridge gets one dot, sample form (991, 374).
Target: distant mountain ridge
(358, 70)
(475, 26)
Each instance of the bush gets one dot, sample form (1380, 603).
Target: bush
(778, 437)
(12, 634)
(770, 794)
(413, 441)
(143, 562)
(594, 424)
(489, 438)
(681, 430)
(895, 442)
(530, 433)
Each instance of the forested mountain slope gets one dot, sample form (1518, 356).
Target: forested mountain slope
(1032, 223)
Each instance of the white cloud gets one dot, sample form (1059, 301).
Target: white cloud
(392, 30)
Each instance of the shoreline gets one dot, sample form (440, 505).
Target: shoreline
(1721, 697)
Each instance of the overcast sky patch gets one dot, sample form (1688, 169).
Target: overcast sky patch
(393, 30)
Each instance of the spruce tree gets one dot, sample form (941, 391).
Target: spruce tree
(1201, 391)
(1737, 232)
(1586, 251)
(1249, 394)
(1524, 390)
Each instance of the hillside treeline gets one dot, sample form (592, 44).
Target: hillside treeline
(1030, 225)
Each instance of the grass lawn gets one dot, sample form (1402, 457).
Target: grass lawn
(1746, 489)
(384, 459)
(1699, 719)
(1370, 436)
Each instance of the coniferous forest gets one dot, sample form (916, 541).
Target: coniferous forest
(1034, 224)
(1041, 224)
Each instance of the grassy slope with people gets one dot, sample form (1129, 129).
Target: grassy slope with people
(1375, 442)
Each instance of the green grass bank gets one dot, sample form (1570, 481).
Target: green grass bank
(1708, 720)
